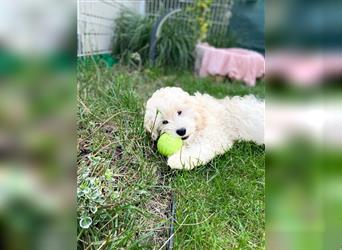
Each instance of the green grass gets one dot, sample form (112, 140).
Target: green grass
(124, 186)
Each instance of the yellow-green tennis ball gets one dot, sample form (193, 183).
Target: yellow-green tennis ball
(168, 145)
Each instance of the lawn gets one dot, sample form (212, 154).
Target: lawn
(124, 185)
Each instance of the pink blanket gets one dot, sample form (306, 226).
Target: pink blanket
(239, 64)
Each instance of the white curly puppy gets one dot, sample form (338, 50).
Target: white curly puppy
(207, 126)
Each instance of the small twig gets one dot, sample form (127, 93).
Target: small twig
(173, 233)
(107, 120)
(173, 220)
(106, 146)
(154, 122)
(108, 222)
(92, 243)
(198, 223)
(106, 240)
(83, 241)
(86, 108)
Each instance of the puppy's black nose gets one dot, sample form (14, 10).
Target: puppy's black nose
(181, 131)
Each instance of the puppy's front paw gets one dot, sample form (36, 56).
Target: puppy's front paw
(178, 161)
(174, 162)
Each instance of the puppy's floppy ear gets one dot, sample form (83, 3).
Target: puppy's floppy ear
(199, 110)
(200, 118)
(150, 121)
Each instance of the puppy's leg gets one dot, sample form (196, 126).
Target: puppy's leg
(188, 158)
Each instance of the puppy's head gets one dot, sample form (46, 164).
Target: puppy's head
(174, 111)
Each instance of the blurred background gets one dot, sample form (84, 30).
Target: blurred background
(37, 124)
(304, 124)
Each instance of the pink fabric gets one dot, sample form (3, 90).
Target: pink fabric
(239, 64)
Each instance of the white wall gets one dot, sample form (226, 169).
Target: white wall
(95, 23)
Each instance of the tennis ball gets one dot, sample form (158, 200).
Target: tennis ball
(168, 145)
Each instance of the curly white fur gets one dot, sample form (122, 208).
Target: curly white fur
(211, 125)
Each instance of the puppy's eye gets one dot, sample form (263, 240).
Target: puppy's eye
(165, 122)
(179, 112)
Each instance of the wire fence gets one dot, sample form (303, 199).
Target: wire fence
(219, 17)
(96, 19)
(96, 22)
